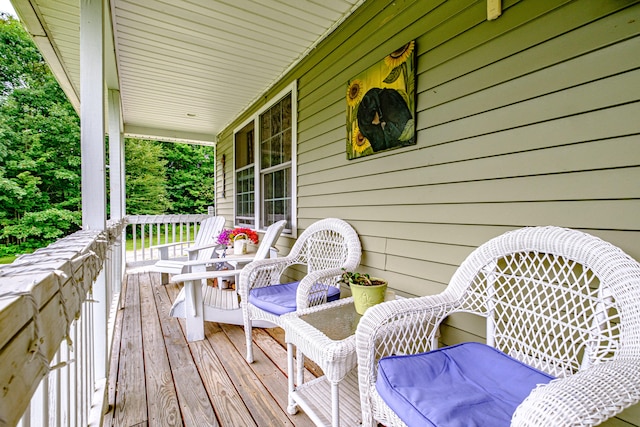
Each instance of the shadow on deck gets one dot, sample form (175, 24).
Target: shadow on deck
(157, 378)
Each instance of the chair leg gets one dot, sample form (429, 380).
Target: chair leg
(248, 326)
(194, 310)
(164, 278)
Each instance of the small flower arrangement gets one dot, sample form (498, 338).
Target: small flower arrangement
(227, 236)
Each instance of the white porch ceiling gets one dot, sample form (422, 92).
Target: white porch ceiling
(185, 68)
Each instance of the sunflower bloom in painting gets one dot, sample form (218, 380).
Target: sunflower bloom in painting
(359, 141)
(398, 57)
(355, 92)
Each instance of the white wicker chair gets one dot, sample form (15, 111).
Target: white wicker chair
(559, 300)
(325, 248)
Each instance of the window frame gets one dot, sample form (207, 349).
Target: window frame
(259, 171)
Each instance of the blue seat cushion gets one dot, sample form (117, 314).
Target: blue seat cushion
(281, 299)
(464, 385)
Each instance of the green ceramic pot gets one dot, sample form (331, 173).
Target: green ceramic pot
(367, 296)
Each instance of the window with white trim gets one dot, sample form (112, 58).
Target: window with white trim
(244, 166)
(264, 165)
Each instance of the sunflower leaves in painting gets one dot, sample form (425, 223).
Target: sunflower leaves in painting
(394, 75)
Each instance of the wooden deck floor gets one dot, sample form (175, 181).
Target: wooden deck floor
(157, 378)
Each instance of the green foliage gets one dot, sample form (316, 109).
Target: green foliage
(8, 259)
(20, 61)
(47, 225)
(356, 278)
(353, 277)
(145, 178)
(190, 177)
(39, 148)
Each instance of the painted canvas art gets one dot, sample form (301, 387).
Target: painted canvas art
(381, 105)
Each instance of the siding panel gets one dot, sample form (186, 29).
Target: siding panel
(531, 119)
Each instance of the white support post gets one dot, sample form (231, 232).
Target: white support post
(116, 185)
(92, 115)
(94, 198)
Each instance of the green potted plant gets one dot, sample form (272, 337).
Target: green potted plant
(367, 291)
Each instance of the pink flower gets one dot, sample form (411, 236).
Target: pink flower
(227, 236)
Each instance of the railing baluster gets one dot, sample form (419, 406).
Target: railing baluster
(135, 242)
(56, 415)
(150, 240)
(65, 392)
(166, 232)
(142, 228)
(181, 239)
(26, 418)
(43, 413)
(173, 236)
(73, 377)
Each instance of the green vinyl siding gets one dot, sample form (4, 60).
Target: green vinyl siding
(531, 119)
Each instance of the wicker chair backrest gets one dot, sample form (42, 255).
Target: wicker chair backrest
(557, 299)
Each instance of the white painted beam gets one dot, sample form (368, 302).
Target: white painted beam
(169, 135)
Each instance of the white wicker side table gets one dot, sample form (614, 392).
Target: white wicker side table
(325, 334)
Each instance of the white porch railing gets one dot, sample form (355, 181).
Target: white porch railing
(149, 230)
(57, 307)
(54, 339)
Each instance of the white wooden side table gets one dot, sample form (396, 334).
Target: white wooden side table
(325, 334)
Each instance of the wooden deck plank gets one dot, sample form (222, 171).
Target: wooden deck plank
(227, 401)
(272, 376)
(254, 393)
(193, 399)
(163, 408)
(271, 341)
(275, 337)
(131, 406)
(212, 382)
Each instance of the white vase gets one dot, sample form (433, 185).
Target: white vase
(240, 247)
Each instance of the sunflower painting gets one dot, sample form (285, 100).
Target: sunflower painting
(381, 105)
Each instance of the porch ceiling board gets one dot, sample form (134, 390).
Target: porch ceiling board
(186, 68)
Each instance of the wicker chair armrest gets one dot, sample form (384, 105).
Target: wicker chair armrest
(402, 326)
(327, 276)
(384, 328)
(380, 326)
(261, 273)
(586, 398)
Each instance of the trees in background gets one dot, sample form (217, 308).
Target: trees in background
(145, 177)
(40, 157)
(39, 147)
(168, 177)
(190, 177)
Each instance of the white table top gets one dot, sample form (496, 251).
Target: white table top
(326, 334)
